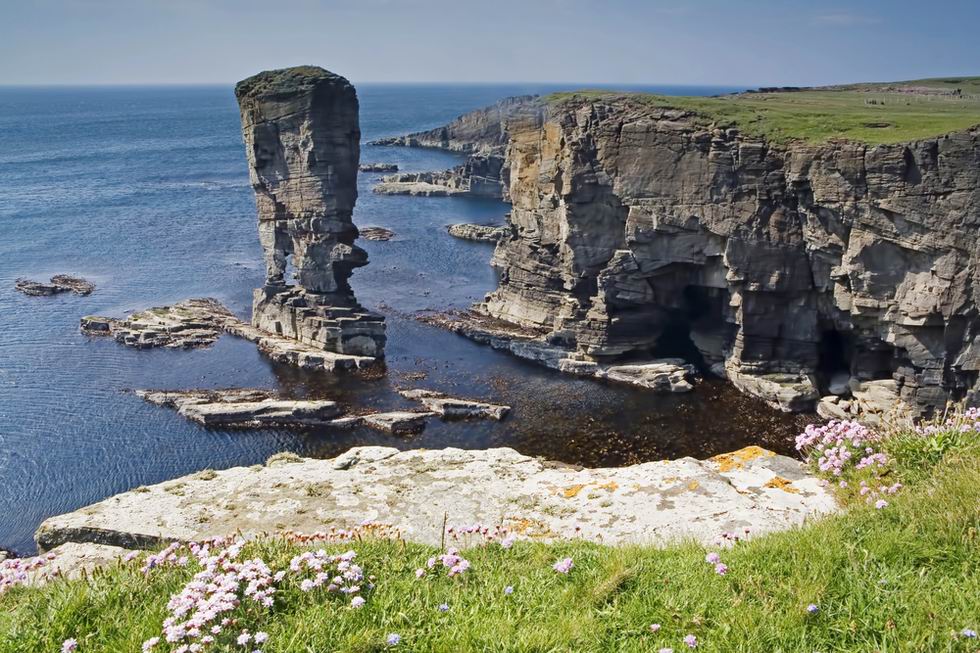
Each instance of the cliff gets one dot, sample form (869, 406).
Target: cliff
(637, 228)
(481, 134)
(302, 139)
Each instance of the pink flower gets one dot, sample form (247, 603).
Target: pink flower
(563, 566)
(261, 637)
(356, 602)
(712, 558)
(508, 590)
(880, 503)
(691, 641)
(666, 650)
(69, 645)
(244, 638)
(150, 643)
(654, 628)
(419, 573)
(721, 569)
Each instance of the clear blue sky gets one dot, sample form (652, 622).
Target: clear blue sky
(751, 42)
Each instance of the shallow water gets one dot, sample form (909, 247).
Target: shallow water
(145, 192)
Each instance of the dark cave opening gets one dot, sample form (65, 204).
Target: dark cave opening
(835, 352)
(701, 309)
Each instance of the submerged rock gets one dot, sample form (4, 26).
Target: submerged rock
(377, 233)
(378, 167)
(418, 492)
(397, 422)
(302, 139)
(454, 407)
(479, 232)
(59, 283)
(243, 407)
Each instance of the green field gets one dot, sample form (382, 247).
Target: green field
(872, 113)
(905, 577)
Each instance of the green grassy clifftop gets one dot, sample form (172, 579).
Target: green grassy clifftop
(873, 113)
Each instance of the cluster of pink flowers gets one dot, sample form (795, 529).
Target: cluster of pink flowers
(338, 572)
(965, 422)
(714, 559)
(451, 560)
(18, 571)
(839, 445)
(563, 566)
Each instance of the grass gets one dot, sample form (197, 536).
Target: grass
(867, 113)
(905, 578)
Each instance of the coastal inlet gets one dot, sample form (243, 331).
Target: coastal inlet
(154, 207)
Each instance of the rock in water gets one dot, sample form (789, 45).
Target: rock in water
(377, 233)
(479, 232)
(302, 140)
(378, 167)
(59, 283)
(243, 407)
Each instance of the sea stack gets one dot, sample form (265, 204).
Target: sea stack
(302, 140)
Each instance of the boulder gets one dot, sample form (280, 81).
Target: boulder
(59, 283)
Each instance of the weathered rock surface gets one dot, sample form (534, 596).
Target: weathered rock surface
(377, 233)
(378, 167)
(302, 140)
(482, 135)
(200, 322)
(479, 232)
(413, 491)
(243, 407)
(661, 374)
(784, 265)
(59, 283)
(454, 407)
(479, 176)
(70, 560)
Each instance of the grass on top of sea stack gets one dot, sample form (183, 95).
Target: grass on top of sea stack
(902, 578)
(874, 114)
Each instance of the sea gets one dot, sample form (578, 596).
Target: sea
(145, 192)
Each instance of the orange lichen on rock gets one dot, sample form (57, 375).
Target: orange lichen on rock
(780, 483)
(736, 459)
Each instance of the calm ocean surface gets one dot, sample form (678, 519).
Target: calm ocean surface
(145, 192)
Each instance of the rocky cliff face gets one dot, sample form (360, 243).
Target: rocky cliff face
(482, 135)
(302, 139)
(638, 229)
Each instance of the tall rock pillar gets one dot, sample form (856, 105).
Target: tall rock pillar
(302, 140)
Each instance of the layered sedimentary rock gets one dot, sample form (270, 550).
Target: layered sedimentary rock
(302, 140)
(200, 322)
(639, 229)
(481, 135)
(419, 492)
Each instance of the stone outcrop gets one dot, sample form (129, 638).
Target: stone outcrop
(377, 233)
(455, 407)
(378, 167)
(658, 374)
(479, 232)
(302, 140)
(59, 283)
(243, 407)
(200, 322)
(639, 229)
(420, 492)
(481, 135)
(478, 176)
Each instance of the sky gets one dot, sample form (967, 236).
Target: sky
(723, 42)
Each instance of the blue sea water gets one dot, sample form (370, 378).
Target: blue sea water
(145, 192)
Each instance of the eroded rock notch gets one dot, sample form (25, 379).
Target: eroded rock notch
(302, 140)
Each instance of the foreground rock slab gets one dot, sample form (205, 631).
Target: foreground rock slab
(378, 167)
(419, 491)
(59, 283)
(200, 322)
(242, 406)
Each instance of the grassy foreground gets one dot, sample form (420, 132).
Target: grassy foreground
(867, 113)
(901, 578)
